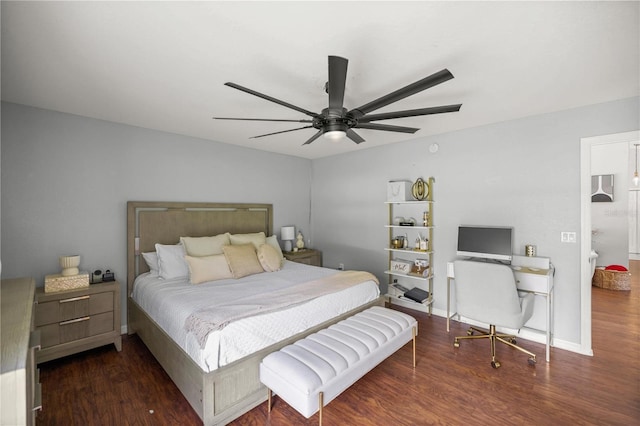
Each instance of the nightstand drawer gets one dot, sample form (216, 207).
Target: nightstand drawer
(74, 329)
(72, 308)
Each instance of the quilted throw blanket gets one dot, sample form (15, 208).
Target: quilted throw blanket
(204, 321)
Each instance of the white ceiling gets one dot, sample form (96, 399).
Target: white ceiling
(162, 65)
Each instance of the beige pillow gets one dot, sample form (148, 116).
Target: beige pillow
(273, 242)
(242, 260)
(269, 258)
(257, 239)
(205, 246)
(208, 268)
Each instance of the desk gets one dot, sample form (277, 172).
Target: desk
(530, 280)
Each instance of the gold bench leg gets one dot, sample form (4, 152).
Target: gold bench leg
(268, 400)
(414, 347)
(320, 404)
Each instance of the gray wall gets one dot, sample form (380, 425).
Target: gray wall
(523, 173)
(66, 181)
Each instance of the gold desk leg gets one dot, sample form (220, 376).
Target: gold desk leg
(414, 347)
(269, 400)
(320, 404)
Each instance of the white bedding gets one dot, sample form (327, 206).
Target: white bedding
(170, 302)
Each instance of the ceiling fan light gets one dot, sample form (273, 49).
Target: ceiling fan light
(335, 135)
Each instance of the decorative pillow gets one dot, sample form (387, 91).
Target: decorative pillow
(257, 239)
(171, 263)
(151, 259)
(205, 246)
(269, 258)
(208, 268)
(273, 242)
(242, 260)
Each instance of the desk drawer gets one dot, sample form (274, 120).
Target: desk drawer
(532, 282)
(72, 308)
(74, 329)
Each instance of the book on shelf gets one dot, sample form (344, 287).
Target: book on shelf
(417, 294)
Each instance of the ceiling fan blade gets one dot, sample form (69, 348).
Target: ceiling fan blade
(354, 136)
(386, 127)
(410, 113)
(411, 89)
(313, 138)
(283, 131)
(271, 99)
(262, 119)
(337, 82)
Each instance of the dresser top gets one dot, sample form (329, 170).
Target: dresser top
(16, 309)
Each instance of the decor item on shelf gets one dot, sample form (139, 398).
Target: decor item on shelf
(530, 250)
(636, 178)
(69, 265)
(420, 190)
(59, 282)
(288, 234)
(299, 241)
(397, 242)
(400, 266)
(408, 222)
(398, 190)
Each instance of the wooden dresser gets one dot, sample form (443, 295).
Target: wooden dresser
(19, 384)
(306, 256)
(77, 320)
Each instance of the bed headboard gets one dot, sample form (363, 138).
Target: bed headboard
(151, 222)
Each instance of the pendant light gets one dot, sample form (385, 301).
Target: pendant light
(636, 178)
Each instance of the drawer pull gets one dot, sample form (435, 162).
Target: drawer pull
(75, 320)
(75, 299)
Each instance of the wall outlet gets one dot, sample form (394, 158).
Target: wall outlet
(568, 237)
(341, 266)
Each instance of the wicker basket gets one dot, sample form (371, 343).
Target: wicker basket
(53, 283)
(612, 280)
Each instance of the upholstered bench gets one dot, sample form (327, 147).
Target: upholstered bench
(313, 371)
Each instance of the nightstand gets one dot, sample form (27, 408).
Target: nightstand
(306, 256)
(77, 320)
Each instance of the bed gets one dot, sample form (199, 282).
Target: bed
(219, 384)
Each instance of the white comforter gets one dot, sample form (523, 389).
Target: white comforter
(170, 302)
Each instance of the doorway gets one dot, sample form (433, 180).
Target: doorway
(586, 145)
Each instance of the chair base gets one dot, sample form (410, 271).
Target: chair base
(507, 339)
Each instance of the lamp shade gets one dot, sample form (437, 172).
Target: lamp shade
(288, 233)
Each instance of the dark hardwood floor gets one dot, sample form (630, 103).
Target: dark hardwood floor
(448, 387)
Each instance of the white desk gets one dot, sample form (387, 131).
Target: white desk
(530, 280)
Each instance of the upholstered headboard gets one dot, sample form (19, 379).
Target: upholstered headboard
(149, 223)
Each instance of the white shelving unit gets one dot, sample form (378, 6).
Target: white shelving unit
(419, 211)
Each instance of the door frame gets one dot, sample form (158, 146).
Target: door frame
(585, 220)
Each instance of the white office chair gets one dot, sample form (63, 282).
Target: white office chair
(486, 292)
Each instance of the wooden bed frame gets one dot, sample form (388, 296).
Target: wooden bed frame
(222, 395)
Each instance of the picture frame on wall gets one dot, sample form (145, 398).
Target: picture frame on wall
(602, 188)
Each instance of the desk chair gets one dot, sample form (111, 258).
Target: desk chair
(486, 292)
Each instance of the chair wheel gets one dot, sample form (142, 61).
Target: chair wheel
(495, 364)
(513, 340)
(469, 332)
(456, 344)
(532, 361)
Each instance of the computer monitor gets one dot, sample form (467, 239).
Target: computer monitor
(485, 242)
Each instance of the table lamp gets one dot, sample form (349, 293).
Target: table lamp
(288, 234)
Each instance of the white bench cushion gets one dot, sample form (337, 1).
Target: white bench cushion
(332, 359)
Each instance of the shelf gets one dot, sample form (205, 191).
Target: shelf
(413, 277)
(409, 227)
(412, 251)
(409, 202)
(394, 297)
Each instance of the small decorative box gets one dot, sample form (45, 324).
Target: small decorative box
(399, 190)
(53, 283)
(400, 266)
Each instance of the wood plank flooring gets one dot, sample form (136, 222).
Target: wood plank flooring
(448, 387)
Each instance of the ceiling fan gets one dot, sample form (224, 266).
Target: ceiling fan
(336, 121)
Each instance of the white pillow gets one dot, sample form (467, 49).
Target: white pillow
(151, 259)
(171, 263)
(273, 242)
(208, 268)
(256, 238)
(205, 246)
